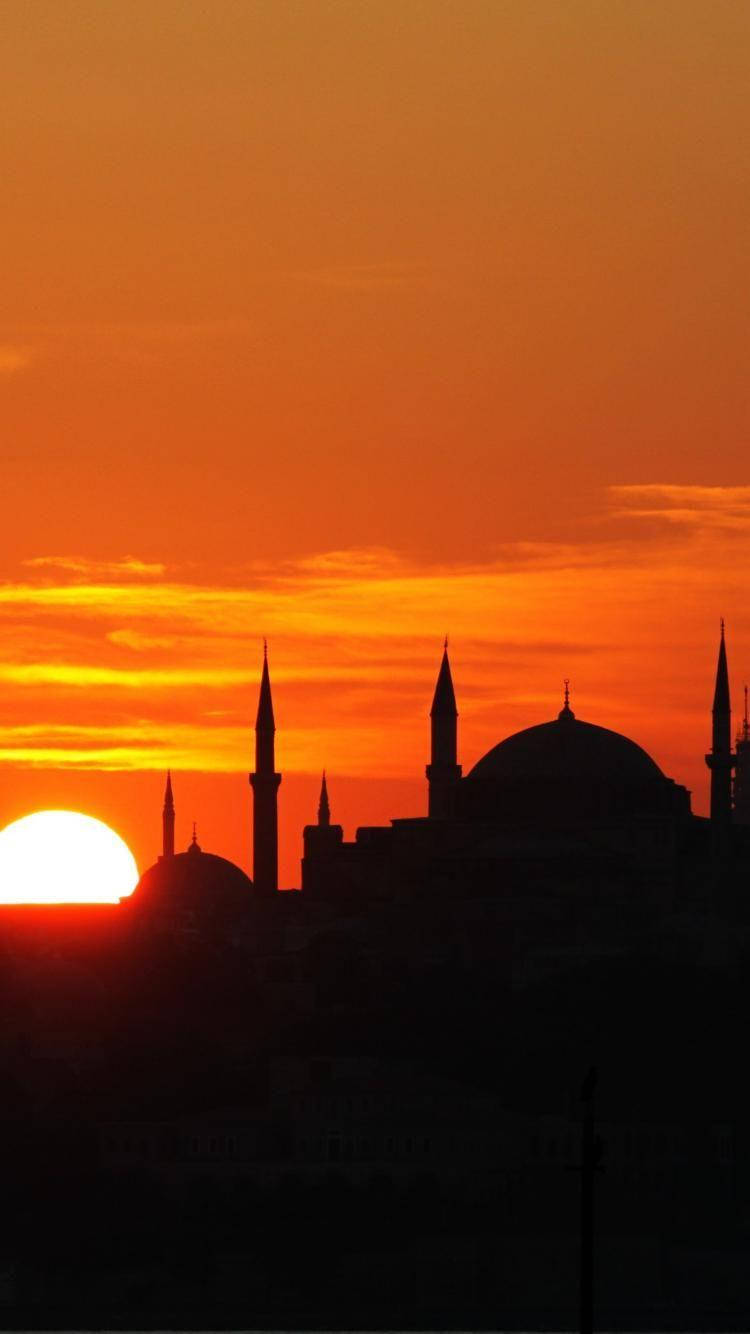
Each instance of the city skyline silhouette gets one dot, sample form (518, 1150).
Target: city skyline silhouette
(376, 523)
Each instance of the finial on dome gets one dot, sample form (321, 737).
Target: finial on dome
(194, 839)
(566, 711)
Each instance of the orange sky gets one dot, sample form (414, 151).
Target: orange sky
(350, 322)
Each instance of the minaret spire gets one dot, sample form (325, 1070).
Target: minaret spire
(324, 808)
(321, 862)
(167, 819)
(265, 784)
(443, 773)
(720, 759)
(444, 699)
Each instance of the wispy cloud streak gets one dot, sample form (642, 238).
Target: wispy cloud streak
(688, 506)
(355, 637)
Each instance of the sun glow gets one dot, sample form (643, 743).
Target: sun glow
(64, 857)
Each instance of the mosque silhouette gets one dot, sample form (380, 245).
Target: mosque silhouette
(564, 803)
(372, 1102)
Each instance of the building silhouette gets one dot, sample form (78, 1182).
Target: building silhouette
(563, 803)
(386, 1062)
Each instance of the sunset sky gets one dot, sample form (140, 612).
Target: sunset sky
(350, 323)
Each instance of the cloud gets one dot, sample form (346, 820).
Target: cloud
(355, 637)
(126, 566)
(140, 643)
(140, 745)
(685, 506)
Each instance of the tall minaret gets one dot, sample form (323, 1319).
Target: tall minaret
(720, 759)
(167, 820)
(443, 773)
(265, 784)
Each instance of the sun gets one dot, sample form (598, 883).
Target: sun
(64, 857)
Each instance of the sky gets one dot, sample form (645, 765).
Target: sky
(353, 323)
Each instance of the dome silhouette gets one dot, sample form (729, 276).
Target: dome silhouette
(568, 749)
(194, 881)
(567, 774)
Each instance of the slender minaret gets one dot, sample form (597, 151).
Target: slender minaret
(167, 820)
(322, 868)
(720, 759)
(265, 784)
(443, 773)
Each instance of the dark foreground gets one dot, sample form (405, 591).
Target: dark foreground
(182, 1148)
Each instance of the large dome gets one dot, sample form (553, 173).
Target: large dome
(568, 749)
(566, 774)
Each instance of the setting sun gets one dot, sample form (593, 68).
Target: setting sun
(64, 857)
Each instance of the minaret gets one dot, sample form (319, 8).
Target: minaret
(265, 784)
(167, 820)
(443, 773)
(323, 872)
(720, 759)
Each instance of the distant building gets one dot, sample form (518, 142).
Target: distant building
(560, 815)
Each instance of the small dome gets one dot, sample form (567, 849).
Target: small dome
(568, 749)
(195, 880)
